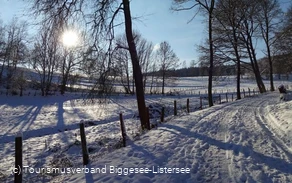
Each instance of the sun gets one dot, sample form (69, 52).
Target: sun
(70, 38)
(156, 47)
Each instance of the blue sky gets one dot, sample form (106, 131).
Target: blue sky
(156, 23)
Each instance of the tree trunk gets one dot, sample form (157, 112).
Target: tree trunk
(210, 97)
(254, 64)
(151, 85)
(64, 82)
(128, 82)
(271, 68)
(163, 82)
(133, 85)
(258, 74)
(43, 91)
(2, 69)
(238, 81)
(144, 82)
(21, 91)
(235, 47)
(135, 62)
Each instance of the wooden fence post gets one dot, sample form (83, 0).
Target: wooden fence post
(148, 121)
(162, 115)
(188, 105)
(219, 99)
(175, 109)
(243, 93)
(123, 130)
(249, 92)
(201, 103)
(18, 159)
(253, 92)
(83, 143)
(226, 97)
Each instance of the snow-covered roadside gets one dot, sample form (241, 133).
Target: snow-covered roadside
(226, 143)
(50, 126)
(279, 118)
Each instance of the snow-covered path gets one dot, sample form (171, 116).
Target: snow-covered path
(233, 142)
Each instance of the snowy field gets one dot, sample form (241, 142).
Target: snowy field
(241, 141)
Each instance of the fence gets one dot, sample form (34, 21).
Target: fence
(198, 90)
(177, 108)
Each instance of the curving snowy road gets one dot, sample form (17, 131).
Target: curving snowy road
(240, 141)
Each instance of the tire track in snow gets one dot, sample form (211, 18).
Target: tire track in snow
(255, 145)
(273, 135)
(238, 145)
(215, 124)
(228, 139)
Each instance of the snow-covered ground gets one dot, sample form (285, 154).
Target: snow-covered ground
(241, 141)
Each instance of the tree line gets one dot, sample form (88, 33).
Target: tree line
(102, 56)
(234, 29)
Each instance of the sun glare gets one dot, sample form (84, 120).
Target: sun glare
(70, 38)
(156, 47)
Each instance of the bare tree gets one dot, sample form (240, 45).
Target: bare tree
(283, 45)
(2, 48)
(97, 66)
(122, 67)
(144, 51)
(19, 82)
(227, 34)
(167, 60)
(208, 7)
(15, 49)
(101, 15)
(154, 78)
(71, 58)
(268, 18)
(248, 30)
(45, 56)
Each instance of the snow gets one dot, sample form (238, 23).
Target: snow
(241, 141)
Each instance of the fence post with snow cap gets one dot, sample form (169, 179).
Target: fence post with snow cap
(175, 109)
(18, 159)
(243, 93)
(219, 99)
(162, 115)
(123, 130)
(148, 120)
(249, 92)
(83, 143)
(188, 105)
(226, 97)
